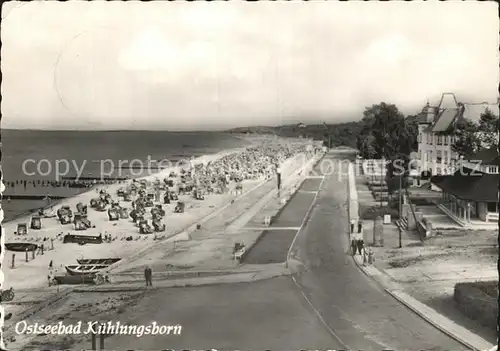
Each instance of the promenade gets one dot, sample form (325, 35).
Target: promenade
(308, 296)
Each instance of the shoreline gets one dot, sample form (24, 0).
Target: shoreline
(34, 270)
(57, 202)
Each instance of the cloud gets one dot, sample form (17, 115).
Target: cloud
(178, 65)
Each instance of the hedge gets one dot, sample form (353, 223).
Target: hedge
(475, 300)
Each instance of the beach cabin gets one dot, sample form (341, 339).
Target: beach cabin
(22, 229)
(36, 223)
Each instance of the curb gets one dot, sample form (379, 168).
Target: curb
(415, 310)
(401, 301)
(183, 284)
(434, 324)
(187, 230)
(280, 210)
(306, 217)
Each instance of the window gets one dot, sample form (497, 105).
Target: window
(492, 169)
(445, 156)
(419, 137)
(492, 207)
(440, 140)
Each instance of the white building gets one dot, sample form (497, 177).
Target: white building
(435, 153)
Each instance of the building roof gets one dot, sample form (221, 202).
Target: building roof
(480, 187)
(446, 118)
(486, 156)
(428, 114)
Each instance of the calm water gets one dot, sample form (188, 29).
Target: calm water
(85, 152)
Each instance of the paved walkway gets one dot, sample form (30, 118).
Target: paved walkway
(356, 309)
(388, 279)
(441, 322)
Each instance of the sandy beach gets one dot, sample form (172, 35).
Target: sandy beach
(32, 273)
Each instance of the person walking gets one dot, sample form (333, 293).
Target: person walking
(360, 244)
(353, 245)
(148, 275)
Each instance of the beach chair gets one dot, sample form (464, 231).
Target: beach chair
(94, 203)
(158, 226)
(77, 221)
(81, 208)
(127, 197)
(144, 227)
(68, 211)
(108, 199)
(49, 213)
(101, 206)
(166, 198)
(179, 208)
(22, 229)
(113, 214)
(123, 212)
(148, 203)
(239, 251)
(64, 219)
(138, 219)
(86, 221)
(161, 211)
(36, 223)
(120, 192)
(198, 195)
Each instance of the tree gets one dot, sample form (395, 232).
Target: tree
(488, 129)
(385, 132)
(466, 138)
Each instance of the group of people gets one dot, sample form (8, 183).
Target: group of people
(228, 172)
(358, 243)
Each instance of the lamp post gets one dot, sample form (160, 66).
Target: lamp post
(278, 173)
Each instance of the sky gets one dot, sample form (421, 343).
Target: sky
(217, 65)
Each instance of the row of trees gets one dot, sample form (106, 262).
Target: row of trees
(471, 137)
(386, 132)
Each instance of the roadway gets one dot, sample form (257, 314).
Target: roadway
(331, 305)
(359, 312)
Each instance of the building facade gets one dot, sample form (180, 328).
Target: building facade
(435, 142)
(471, 192)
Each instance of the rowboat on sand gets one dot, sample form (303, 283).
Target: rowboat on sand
(79, 269)
(103, 261)
(21, 247)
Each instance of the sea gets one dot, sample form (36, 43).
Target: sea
(47, 156)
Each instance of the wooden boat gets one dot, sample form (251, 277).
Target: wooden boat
(82, 239)
(107, 261)
(20, 247)
(77, 269)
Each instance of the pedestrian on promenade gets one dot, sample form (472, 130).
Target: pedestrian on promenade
(148, 275)
(360, 244)
(353, 246)
(353, 223)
